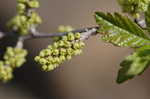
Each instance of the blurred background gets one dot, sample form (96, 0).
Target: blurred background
(88, 76)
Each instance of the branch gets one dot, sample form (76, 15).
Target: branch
(2, 34)
(86, 33)
(20, 42)
(141, 23)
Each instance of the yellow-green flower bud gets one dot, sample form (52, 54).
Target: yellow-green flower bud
(22, 1)
(55, 52)
(33, 4)
(42, 61)
(71, 36)
(134, 6)
(76, 45)
(77, 35)
(62, 58)
(68, 57)
(62, 51)
(21, 8)
(77, 52)
(64, 38)
(65, 28)
(44, 67)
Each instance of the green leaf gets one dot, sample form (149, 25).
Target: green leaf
(120, 30)
(147, 18)
(134, 64)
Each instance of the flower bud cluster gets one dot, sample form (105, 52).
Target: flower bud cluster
(134, 6)
(5, 72)
(65, 28)
(61, 50)
(26, 17)
(13, 58)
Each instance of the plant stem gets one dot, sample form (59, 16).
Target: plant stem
(88, 31)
